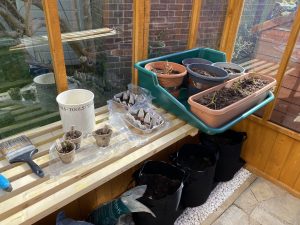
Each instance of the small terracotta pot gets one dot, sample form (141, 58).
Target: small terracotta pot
(102, 140)
(171, 80)
(67, 157)
(76, 141)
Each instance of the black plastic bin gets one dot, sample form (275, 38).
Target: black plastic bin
(199, 164)
(166, 207)
(229, 145)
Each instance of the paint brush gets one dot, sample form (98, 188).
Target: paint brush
(20, 149)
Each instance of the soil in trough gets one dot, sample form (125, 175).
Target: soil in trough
(158, 186)
(203, 72)
(227, 96)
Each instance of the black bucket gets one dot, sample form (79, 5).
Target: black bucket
(229, 145)
(199, 164)
(164, 202)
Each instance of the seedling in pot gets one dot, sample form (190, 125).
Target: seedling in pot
(168, 69)
(65, 151)
(74, 136)
(102, 136)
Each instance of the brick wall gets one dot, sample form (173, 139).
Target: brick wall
(211, 23)
(170, 18)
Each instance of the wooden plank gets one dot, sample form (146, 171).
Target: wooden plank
(138, 35)
(265, 144)
(278, 155)
(234, 13)
(15, 128)
(269, 70)
(284, 62)
(253, 65)
(194, 24)
(30, 108)
(262, 67)
(31, 115)
(276, 127)
(291, 170)
(56, 48)
(227, 24)
(36, 211)
(248, 62)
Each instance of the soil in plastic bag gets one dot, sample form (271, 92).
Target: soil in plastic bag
(196, 163)
(158, 186)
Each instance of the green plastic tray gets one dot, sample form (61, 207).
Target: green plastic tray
(180, 107)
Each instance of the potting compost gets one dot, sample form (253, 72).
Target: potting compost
(227, 96)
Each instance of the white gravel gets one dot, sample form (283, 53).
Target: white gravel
(195, 216)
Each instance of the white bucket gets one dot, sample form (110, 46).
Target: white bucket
(76, 108)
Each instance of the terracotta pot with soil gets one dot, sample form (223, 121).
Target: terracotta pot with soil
(218, 105)
(66, 151)
(170, 75)
(102, 136)
(203, 76)
(74, 136)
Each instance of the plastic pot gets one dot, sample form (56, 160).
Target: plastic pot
(171, 81)
(189, 61)
(102, 140)
(199, 164)
(233, 70)
(46, 91)
(164, 208)
(229, 145)
(69, 156)
(199, 82)
(217, 118)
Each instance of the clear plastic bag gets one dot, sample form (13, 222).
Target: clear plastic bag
(89, 152)
(134, 95)
(137, 134)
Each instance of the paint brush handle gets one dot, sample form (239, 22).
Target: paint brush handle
(35, 168)
(5, 184)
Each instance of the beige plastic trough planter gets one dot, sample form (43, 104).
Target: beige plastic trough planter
(216, 118)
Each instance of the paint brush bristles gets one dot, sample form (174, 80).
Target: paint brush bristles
(16, 147)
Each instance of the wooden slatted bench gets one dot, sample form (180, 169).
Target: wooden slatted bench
(34, 198)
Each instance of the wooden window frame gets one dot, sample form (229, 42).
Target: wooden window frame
(140, 36)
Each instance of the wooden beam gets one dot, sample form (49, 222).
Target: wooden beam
(141, 18)
(231, 27)
(226, 28)
(194, 24)
(284, 63)
(55, 44)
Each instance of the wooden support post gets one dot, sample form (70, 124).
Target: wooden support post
(231, 27)
(55, 44)
(194, 24)
(141, 18)
(284, 62)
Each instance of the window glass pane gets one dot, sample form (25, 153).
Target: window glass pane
(262, 35)
(24, 55)
(287, 108)
(169, 26)
(97, 57)
(213, 14)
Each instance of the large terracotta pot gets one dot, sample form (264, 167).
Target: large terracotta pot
(170, 81)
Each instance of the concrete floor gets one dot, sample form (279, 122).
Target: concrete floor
(262, 203)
